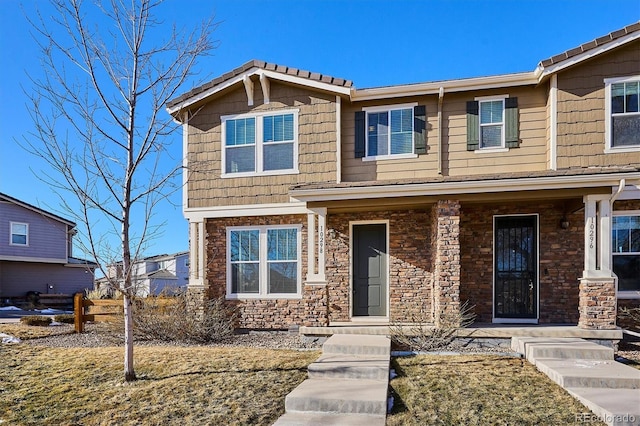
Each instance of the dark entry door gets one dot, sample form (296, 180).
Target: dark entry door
(370, 270)
(516, 267)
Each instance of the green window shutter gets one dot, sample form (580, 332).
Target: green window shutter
(360, 121)
(420, 129)
(473, 126)
(511, 134)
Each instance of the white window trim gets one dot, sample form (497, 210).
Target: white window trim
(627, 294)
(503, 145)
(608, 149)
(263, 264)
(259, 144)
(11, 234)
(387, 108)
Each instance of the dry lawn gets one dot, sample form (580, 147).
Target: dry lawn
(477, 390)
(26, 332)
(177, 385)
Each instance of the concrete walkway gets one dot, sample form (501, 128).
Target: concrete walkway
(611, 390)
(347, 385)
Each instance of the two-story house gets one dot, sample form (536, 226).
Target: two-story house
(36, 252)
(314, 203)
(151, 275)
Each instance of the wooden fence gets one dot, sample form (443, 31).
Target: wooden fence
(102, 310)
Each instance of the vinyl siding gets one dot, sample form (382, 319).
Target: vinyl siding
(47, 236)
(16, 278)
(581, 109)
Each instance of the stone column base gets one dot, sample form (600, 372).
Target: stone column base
(597, 305)
(316, 304)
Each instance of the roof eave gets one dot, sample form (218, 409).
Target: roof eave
(464, 187)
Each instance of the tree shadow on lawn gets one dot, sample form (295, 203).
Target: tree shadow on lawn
(151, 377)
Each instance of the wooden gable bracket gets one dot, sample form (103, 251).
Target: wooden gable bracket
(266, 88)
(248, 87)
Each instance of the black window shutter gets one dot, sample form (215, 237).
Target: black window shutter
(420, 129)
(473, 126)
(360, 121)
(511, 131)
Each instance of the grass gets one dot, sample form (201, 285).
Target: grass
(477, 390)
(26, 332)
(177, 385)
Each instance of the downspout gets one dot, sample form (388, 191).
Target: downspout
(440, 99)
(615, 196)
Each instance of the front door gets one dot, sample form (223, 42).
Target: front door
(516, 267)
(369, 270)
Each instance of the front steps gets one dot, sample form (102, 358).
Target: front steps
(347, 385)
(587, 371)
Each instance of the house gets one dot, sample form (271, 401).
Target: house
(313, 203)
(152, 275)
(36, 252)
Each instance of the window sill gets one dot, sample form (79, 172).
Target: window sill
(254, 174)
(490, 150)
(629, 294)
(262, 296)
(390, 157)
(632, 148)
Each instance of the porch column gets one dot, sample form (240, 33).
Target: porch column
(197, 264)
(446, 259)
(315, 295)
(597, 294)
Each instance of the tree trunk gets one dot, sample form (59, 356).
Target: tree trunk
(129, 372)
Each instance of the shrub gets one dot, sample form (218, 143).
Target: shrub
(629, 318)
(179, 319)
(36, 320)
(64, 318)
(421, 334)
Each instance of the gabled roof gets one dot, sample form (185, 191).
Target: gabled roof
(9, 199)
(588, 50)
(256, 67)
(266, 71)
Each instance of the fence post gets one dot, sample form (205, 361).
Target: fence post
(78, 311)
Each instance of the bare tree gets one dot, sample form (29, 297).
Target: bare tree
(99, 123)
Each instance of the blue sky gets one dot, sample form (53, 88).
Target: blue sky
(372, 43)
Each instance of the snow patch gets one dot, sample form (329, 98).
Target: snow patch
(9, 308)
(9, 339)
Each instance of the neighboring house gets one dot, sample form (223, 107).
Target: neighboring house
(314, 203)
(153, 275)
(36, 252)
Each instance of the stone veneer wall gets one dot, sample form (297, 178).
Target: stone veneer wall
(561, 258)
(445, 231)
(597, 304)
(261, 313)
(409, 262)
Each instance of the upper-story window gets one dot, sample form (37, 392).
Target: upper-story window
(264, 143)
(622, 131)
(625, 242)
(492, 123)
(19, 234)
(386, 132)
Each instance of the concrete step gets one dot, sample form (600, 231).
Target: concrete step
(343, 396)
(357, 345)
(562, 348)
(615, 407)
(373, 367)
(320, 419)
(590, 373)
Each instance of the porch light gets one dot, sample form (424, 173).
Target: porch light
(564, 223)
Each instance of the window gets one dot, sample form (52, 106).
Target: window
(19, 234)
(397, 131)
(260, 144)
(264, 261)
(623, 114)
(492, 123)
(625, 241)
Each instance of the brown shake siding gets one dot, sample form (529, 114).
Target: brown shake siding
(581, 109)
(316, 147)
(561, 257)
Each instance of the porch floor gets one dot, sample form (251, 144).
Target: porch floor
(478, 330)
